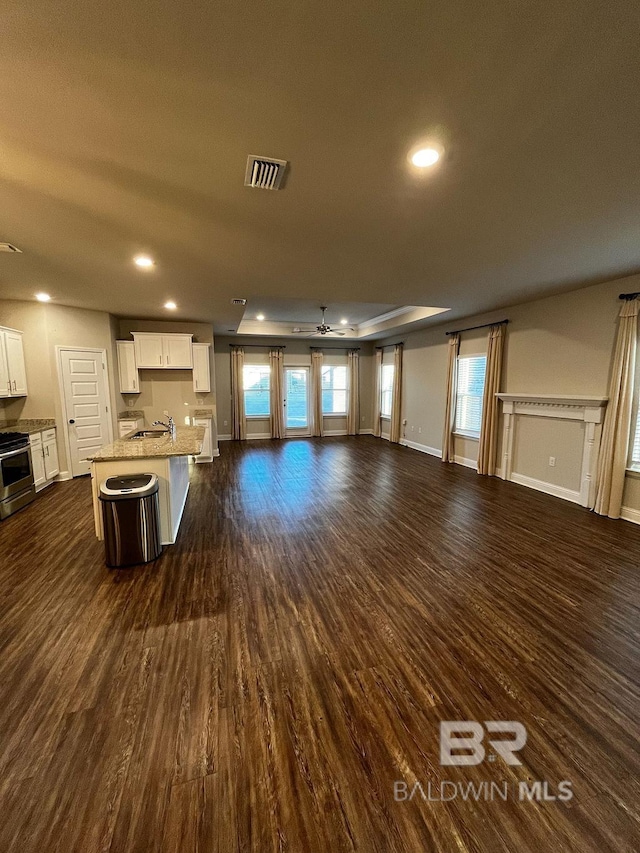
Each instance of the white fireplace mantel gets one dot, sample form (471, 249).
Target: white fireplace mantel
(590, 410)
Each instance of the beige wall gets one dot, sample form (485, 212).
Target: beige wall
(170, 390)
(45, 327)
(297, 353)
(558, 345)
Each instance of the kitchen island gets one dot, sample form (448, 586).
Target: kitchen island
(164, 455)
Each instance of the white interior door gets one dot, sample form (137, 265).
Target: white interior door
(296, 402)
(86, 405)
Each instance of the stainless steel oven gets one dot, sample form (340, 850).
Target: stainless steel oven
(16, 473)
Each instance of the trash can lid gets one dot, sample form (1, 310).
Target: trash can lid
(129, 486)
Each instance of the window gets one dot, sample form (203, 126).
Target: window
(386, 390)
(471, 372)
(334, 390)
(256, 390)
(635, 449)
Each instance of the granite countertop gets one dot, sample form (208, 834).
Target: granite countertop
(187, 442)
(130, 415)
(28, 425)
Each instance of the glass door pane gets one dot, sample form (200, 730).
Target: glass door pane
(297, 397)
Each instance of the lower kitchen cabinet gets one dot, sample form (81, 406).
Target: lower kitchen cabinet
(44, 458)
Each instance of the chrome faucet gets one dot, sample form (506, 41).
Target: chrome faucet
(170, 426)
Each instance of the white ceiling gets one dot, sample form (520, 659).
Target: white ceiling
(125, 128)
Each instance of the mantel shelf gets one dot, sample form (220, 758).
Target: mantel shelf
(555, 399)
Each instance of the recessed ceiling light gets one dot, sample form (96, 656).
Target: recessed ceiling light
(344, 322)
(171, 306)
(259, 316)
(425, 157)
(43, 297)
(143, 261)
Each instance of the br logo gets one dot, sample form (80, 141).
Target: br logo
(451, 743)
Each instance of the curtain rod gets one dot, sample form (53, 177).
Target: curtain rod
(628, 295)
(259, 346)
(386, 346)
(482, 326)
(329, 349)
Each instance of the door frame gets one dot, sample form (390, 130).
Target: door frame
(298, 432)
(63, 403)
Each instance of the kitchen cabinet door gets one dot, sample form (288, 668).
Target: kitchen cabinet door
(177, 351)
(149, 350)
(51, 465)
(5, 385)
(127, 369)
(201, 370)
(15, 363)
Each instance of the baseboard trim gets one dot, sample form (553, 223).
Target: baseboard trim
(215, 453)
(366, 432)
(632, 515)
(422, 448)
(257, 435)
(547, 488)
(467, 463)
(62, 476)
(335, 432)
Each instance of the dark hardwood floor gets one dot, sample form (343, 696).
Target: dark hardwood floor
(264, 684)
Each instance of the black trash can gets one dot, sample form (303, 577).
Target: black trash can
(131, 519)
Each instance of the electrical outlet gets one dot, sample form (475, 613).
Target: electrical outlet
(420, 429)
(130, 403)
(412, 428)
(361, 420)
(552, 461)
(226, 422)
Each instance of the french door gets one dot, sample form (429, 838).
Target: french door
(296, 400)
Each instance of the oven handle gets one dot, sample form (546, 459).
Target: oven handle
(14, 452)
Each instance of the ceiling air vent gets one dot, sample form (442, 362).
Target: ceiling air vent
(238, 301)
(9, 247)
(264, 172)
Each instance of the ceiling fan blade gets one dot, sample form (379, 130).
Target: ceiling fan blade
(304, 331)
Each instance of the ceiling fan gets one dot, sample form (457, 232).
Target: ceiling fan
(324, 328)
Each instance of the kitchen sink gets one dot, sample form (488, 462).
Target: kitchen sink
(148, 433)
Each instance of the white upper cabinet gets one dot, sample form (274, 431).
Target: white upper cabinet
(149, 350)
(127, 368)
(177, 351)
(162, 351)
(201, 370)
(13, 374)
(5, 384)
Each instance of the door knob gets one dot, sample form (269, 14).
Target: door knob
(71, 421)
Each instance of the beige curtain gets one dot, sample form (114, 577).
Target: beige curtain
(395, 433)
(488, 446)
(237, 394)
(614, 449)
(276, 394)
(376, 393)
(316, 393)
(353, 372)
(448, 451)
